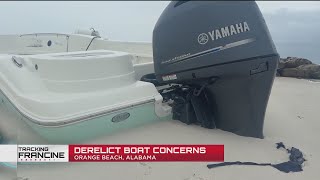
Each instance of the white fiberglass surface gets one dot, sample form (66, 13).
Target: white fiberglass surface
(48, 91)
(58, 107)
(89, 54)
(74, 67)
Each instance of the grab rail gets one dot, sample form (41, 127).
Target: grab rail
(36, 34)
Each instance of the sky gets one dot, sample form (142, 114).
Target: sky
(294, 25)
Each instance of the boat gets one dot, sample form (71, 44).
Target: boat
(68, 88)
(204, 70)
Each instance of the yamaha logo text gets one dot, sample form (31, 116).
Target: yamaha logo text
(223, 32)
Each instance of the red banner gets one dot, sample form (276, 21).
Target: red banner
(143, 153)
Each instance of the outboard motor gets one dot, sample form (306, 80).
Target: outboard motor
(220, 61)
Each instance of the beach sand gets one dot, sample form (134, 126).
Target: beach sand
(293, 117)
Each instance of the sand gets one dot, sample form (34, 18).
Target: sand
(292, 117)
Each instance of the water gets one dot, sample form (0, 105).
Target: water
(301, 50)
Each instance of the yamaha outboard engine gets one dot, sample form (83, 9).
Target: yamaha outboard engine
(220, 61)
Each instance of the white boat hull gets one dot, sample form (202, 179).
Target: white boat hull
(68, 89)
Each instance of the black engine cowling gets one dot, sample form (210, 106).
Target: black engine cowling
(222, 56)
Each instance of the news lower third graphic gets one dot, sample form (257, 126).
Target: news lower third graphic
(43, 153)
(111, 153)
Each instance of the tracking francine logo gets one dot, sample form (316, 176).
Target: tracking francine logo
(43, 153)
